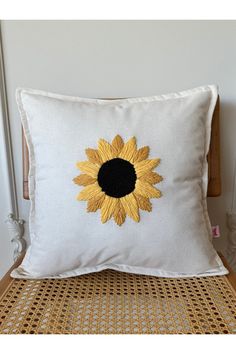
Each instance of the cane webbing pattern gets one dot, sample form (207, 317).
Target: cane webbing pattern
(110, 302)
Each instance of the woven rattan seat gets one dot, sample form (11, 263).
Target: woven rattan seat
(111, 302)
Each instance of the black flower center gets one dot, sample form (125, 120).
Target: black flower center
(117, 178)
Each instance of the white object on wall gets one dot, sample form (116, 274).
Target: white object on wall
(16, 229)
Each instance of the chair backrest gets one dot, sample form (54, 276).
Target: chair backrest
(214, 177)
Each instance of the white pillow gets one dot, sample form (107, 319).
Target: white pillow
(142, 208)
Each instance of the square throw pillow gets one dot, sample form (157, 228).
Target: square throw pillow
(118, 184)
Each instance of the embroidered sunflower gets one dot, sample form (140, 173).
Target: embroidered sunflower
(118, 179)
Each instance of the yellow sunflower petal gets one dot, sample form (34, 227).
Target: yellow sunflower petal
(129, 150)
(105, 150)
(143, 203)
(95, 203)
(89, 192)
(108, 207)
(119, 213)
(146, 190)
(88, 167)
(142, 154)
(131, 203)
(117, 145)
(94, 156)
(145, 166)
(151, 177)
(84, 180)
(130, 206)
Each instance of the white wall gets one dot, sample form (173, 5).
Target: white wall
(125, 58)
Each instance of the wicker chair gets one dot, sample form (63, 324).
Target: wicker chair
(111, 302)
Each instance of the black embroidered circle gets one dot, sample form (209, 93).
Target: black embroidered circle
(117, 178)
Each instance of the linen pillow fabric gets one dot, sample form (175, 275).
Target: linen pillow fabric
(118, 184)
